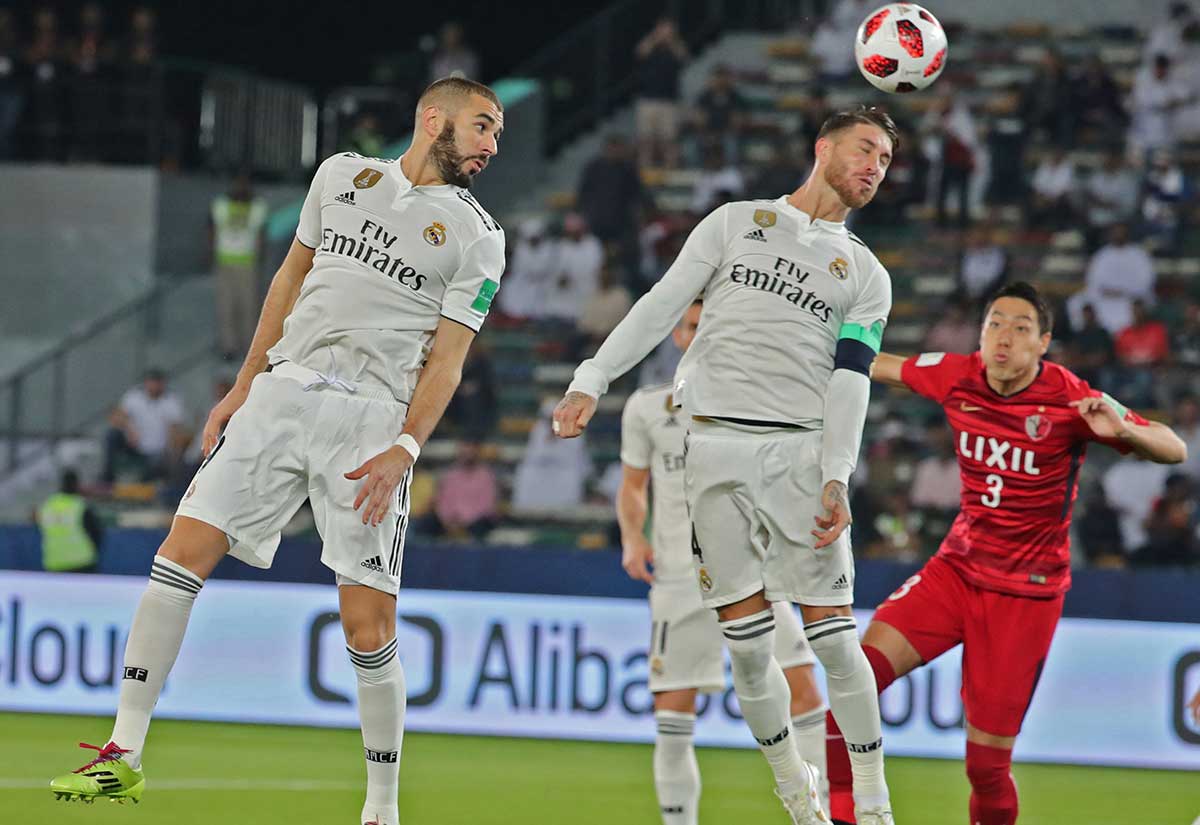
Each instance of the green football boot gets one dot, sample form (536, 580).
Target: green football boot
(108, 776)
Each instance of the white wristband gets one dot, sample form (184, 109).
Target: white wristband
(409, 444)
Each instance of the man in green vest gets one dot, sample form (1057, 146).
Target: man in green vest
(70, 530)
(237, 222)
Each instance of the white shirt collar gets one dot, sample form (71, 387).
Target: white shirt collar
(404, 185)
(805, 220)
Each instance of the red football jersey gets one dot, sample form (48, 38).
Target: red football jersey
(1019, 459)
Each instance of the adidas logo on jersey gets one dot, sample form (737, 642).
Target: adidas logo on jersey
(375, 564)
(347, 198)
(755, 235)
(842, 583)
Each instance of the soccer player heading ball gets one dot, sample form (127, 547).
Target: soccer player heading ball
(774, 392)
(359, 348)
(996, 585)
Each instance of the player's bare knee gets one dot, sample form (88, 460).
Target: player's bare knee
(195, 545)
(748, 606)
(680, 701)
(889, 641)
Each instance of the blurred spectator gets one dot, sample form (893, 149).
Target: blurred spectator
(1110, 196)
(579, 259)
(365, 137)
(833, 61)
(1157, 95)
(984, 266)
(1171, 527)
(1045, 100)
(610, 192)
(91, 57)
(1092, 350)
(1166, 193)
(1167, 36)
(532, 266)
(954, 331)
(847, 15)
(1131, 486)
(1052, 191)
(553, 471)
(936, 484)
(141, 86)
(147, 430)
(721, 113)
(422, 492)
(656, 247)
(1095, 101)
(236, 223)
(1187, 338)
(602, 311)
(897, 529)
(1098, 529)
(815, 111)
(718, 182)
(12, 96)
(954, 134)
(660, 56)
(1118, 273)
(193, 454)
(1186, 423)
(467, 496)
(475, 406)
(453, 57)
(44, 113)
(1144, 342)
(71, 532)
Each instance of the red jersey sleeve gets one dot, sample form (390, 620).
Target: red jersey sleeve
(1080, 389)
(933, 374)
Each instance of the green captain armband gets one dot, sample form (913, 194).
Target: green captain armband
(871, 336)
(1121, 410)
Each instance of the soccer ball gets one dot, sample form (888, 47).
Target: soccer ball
(900, 48)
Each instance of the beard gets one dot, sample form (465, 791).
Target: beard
(448, 159)
(840, 181)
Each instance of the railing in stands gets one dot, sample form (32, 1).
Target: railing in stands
(590, 71)
(72, 386)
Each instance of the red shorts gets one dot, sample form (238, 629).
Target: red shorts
(1005, 639)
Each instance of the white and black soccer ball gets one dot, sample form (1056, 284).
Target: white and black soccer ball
(900, 48)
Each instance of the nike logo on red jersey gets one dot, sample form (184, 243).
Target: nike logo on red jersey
(968, 408)
(1001, 455)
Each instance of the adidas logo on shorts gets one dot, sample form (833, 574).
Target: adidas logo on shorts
(842, 583)
(755, 235)
(375, 564)
(347, 198)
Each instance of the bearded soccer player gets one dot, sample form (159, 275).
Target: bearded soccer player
(685, 639)
(358, 350)
(775, 398)
(996, 585)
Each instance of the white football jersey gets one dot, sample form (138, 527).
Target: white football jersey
(652, 431)
(391, 260)
(779, 290)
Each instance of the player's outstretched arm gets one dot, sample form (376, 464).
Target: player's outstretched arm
(439, 379)
(281, 297)
(636, 551)
(1151, 440)
(886, 369)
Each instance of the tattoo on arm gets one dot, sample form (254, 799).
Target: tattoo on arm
(576, 397)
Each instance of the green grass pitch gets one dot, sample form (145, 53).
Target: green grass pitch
(219, 774)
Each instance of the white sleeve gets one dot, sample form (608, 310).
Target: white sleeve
(850, 389)
(636, 449)
(470, 293)
(656, 312)
(309, 230)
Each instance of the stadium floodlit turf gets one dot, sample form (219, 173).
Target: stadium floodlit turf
(206, 773)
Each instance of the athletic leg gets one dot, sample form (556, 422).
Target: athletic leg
(676, 772)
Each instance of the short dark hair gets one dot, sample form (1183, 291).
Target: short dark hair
(69, 482)
(455, 88)
(1026, 292)
(869, 115)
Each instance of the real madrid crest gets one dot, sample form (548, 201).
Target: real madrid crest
(656, 666)
(434, 234)
(839, 268)
(367, 178)
(706, 582)
(764, 218)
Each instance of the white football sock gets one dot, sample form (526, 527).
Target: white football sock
(764, 696)
(676, 773)
(810, 741)
(154, 640)
(381, 704)
(854, 702)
